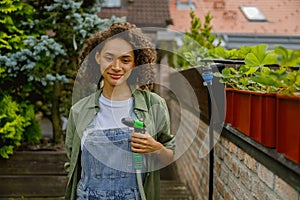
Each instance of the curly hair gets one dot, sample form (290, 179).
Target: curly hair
(144, 54)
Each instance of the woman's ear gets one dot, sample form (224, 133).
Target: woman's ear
(97, 57)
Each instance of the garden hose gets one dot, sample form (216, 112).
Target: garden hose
(207, 76)
(137, 157)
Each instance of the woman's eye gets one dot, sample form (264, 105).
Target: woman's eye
(126, 60)
(108, 58)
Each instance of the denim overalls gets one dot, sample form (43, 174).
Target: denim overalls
(107, 166)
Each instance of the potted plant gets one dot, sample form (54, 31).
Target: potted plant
(286, 82)
(250, 103)
(257, 91)
(273, 102)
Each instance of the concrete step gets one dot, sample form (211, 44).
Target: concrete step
(174, 190)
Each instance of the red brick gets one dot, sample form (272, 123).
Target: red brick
(250, 162)
(284, 190)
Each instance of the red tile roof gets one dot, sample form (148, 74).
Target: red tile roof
(283, 16)
(143, 13)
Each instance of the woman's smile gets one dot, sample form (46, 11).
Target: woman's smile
(115, 76)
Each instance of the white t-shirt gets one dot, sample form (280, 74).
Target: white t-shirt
(110, 115)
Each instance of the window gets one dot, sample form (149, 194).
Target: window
(185, 5)
(252, 13)
(111, 3)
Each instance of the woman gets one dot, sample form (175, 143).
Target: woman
(98, 145)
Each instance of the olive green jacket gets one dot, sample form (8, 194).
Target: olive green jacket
(148, 107)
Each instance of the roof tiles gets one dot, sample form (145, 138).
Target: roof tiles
(282, 16)
(143, 13)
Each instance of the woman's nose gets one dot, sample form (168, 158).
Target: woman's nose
(116, 65)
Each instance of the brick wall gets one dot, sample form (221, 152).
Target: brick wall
(237, 175)
(192, 167)
(240, 176)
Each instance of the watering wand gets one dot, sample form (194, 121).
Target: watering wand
(137, 157)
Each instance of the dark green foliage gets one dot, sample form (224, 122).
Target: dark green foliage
(32, 133)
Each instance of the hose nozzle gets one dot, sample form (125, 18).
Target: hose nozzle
(136, 124)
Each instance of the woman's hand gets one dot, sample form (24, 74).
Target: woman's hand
(145, 143)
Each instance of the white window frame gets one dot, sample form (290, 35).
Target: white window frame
(252, 13)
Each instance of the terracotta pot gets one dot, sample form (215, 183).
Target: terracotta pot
(288, 128)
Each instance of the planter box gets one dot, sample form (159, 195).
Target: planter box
(242, 111)
(288, 129)
(229, 105)
(254, 114)
(33, 174)
(263, 118)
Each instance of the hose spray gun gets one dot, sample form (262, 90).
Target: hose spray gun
(139, 127)
(137, 157)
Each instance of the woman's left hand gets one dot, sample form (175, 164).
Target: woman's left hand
(144, 143)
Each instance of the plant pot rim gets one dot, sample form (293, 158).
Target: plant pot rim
(251, 92)
(290, 97)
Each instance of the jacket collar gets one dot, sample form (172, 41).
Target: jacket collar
(139, 100)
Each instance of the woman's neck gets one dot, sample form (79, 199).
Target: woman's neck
(116, 93)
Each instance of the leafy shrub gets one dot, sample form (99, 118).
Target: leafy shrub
(15, 120)
(12, 125)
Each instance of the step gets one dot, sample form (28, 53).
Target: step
(174, 190)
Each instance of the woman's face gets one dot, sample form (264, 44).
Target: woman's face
(116, 61)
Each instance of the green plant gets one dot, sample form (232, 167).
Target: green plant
(287, 57)
(282, 81)
(40, 43)
(13, 13)
(17, 125)
(259, 56)
(201, 32)
(255, 75)
(239, 78)
(196, 41)
(12, 125)
(223, 53)
(32, 133)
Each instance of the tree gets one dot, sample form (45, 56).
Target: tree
(197, 41)
(13, 13)
(47, 63)
(16, 119)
